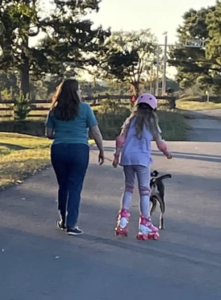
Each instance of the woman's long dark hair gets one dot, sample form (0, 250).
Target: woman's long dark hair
(65, 102)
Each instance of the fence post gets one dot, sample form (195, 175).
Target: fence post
(172, 102)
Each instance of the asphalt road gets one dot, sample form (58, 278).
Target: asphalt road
(39, 262)
(205, 126)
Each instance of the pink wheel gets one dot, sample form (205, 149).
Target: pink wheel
(156, 236)
(139, 237)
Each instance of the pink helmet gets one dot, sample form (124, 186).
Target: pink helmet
(148, 99)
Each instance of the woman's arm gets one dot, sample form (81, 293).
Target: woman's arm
(96, 135)
(49, 124)
(49, 132)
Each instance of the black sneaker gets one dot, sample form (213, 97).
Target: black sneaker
(74, 231)
(61, 225)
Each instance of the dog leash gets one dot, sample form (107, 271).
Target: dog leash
(105, 158)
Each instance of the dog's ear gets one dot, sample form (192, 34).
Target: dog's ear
(155, 173)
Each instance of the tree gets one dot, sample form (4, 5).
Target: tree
(194, 65)
(18, 19)
(69, 42)
(8, 83)
(128, 57)
(213, 49)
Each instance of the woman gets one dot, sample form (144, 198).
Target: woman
(67, 124)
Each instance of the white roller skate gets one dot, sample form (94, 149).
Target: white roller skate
(122, 223)
(147, 231)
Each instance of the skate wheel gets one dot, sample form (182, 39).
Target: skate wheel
(139, 237)
(142, 237)
(156, 236)
(120, 232)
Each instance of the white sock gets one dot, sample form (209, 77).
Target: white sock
(145, 206)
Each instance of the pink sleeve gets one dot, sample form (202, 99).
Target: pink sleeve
(120, 141)
(162, 146)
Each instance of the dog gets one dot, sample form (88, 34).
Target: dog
(158, 194)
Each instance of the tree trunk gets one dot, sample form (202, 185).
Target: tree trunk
(136, 88)
(24, 71)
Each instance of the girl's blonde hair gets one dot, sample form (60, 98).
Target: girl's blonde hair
(144, 116)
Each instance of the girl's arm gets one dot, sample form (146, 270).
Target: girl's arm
(120, 140)
(119, 145)
(162, 146)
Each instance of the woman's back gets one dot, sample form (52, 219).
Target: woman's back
(75, 130)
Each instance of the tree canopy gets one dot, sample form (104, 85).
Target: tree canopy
(69, 41)
(128, 57)
(200, 65)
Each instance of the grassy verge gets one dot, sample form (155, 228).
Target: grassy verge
(21, 156)
(196, 105)
(173, 125)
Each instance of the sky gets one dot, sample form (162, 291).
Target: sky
(158, 15)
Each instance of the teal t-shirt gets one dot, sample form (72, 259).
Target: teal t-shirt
(74, 131)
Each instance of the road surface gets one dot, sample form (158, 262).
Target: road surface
(205, 126)
(39, 262)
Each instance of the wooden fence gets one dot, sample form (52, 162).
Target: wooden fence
(39, 108)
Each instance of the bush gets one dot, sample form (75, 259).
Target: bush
(22, 107)
(111, 116)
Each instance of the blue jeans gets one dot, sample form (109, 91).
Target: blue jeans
(70, 163)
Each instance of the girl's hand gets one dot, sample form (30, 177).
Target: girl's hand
(115, 161)
(169, 155)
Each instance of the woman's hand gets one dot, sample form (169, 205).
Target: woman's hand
(101, 158)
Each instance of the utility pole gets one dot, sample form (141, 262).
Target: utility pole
(158, 69)
(164, 81)
(194, 43)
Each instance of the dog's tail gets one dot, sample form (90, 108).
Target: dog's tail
(161, 178)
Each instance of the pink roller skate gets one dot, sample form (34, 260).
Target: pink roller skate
(147, 230)
(122, 223)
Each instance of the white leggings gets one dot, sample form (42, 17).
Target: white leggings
(143, 176)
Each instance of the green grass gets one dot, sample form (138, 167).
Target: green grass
(173, 125)
(21, 156)
(196, 105)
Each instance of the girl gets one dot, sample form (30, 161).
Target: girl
(135, 142)
(68, 122)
